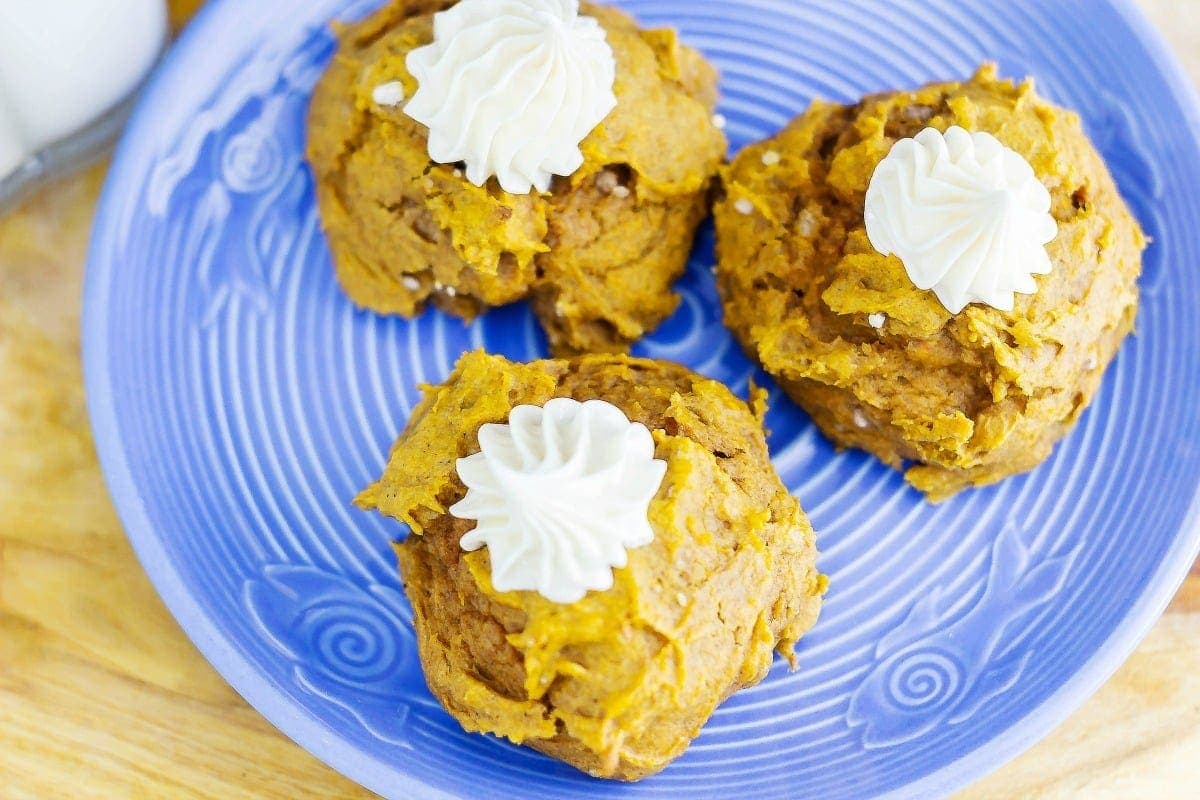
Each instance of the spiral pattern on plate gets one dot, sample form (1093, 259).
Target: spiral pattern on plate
(240, 402)
(924, 679)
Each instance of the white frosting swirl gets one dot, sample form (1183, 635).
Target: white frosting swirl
(511, 88)
(965, 214)
(558, 494)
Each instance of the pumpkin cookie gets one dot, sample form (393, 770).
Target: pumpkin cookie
(938, 276)
(601, 553)
(469, 160)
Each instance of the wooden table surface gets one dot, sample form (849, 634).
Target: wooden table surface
(102, 695)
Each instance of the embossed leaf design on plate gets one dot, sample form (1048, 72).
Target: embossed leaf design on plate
(240, 399)
(352, 645)
(940, 665)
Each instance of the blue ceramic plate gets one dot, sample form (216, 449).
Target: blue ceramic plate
(240, 401)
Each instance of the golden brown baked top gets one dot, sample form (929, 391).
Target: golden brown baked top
(621, 681)
(601, 249)
(800, 281)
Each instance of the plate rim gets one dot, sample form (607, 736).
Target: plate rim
(383, 777)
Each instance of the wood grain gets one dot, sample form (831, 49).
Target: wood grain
(102, 696)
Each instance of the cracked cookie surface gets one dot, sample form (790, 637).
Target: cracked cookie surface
(963, 399)
(597, 255)
(619, 683)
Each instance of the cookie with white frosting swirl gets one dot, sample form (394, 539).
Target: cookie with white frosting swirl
(601, 553)
(938, 276)
(554, 152)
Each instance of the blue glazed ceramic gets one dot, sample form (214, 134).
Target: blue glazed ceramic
(240, 402)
